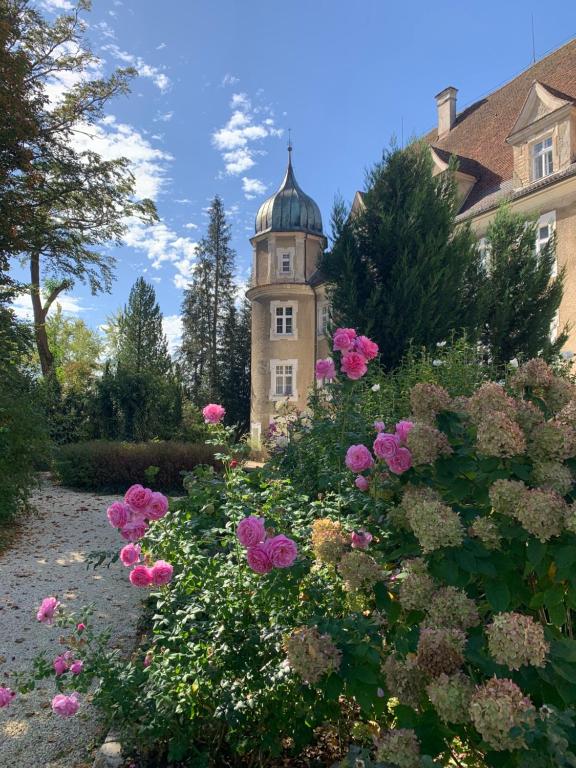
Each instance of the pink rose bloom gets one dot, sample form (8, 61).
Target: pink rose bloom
(147, 660)
(366, 347)
(158, 506)
(379, 426)
(386, 445)
(213, 413)
(161, 573)
(354, 365)
(325, 369)
(362, 483)
(65, 706)
(76, 667)
(61, 664)
(6, 696)
(118, 514)
(130, 554)
(47, 610)
(80, 627)
(343, 339)
(258, 558)
(360, 539)
(251, 531)
(401, 462)
(141, 576)
(282, 551)
(138, 497)
(403, 429)
(134, 530)
(358, 458)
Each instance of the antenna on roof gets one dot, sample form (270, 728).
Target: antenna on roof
(533, 43)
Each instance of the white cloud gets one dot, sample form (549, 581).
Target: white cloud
(160, 80)
(190, 225)
(164, 117)
(172, 326)
(183, 200)
(71, 305)
(161, 244)
(229, 79)
(105, 30)
(57, 5)
(161, 47)
(244, 127)
(252, 187)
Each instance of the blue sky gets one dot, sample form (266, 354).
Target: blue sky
(222, 81)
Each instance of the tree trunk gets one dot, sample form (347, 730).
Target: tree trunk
(44, 353)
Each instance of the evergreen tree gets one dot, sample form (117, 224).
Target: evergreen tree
(521, 295)
(235, 365)
(401, 270)
(142, 344)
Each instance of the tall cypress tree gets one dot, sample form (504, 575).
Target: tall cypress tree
(522, 295)
(401, 270)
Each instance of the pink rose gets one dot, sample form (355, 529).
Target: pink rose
(6, 696)
(118, 514)
(354, 365)
(386, 445)
(362, 483)
(161, 573)
(138, 497)
(358, 458)
(325, 369)
(147, 660)
(61, 663)
(47, 610)
(76, 667)
(213, 413)
(80, 627)
(401, 462)
(141, 576)
(130, 554)
(379, 426)
(360, 539)
(251, 531)
(343, 339)
(366, 347)
(403, 429)
(258, 558)
(134, 530)
(65, 706)
(281, 550)
(158, 506)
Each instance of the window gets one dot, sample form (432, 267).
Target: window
(285, 262)
(283, 320)
(544, 231)
(283, 379)
(542, 163)
(323, 318)
(484, 251)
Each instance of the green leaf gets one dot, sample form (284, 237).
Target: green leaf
(498, 595)
(535, 551)
(557, 614)
(333, 686)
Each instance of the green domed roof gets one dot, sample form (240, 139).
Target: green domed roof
(290, 209)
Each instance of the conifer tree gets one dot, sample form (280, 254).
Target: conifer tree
(401, 270)
(142, 344)
(235, 365)
(522, 295)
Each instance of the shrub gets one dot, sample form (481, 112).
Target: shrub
(99, 465)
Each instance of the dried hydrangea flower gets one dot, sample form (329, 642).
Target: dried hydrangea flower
(499, 435)
(452, 608)
(506, 496)
(516, 640)
(417, 586)
(554, 476)
(450, 696)
(426, 444)
(487, 531)
(434, 524)
(440, 650)
(542, 513)
(528, 416)
(497, 707)
(359, 571)
(535, 374)
(310, 654)
(329, 541)
(567, 416)
(404, 679)
(427, 400)
(490, 397)
(396, 518)
(559, 393)
(551, 441)
(399, 747)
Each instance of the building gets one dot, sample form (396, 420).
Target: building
(517, 144)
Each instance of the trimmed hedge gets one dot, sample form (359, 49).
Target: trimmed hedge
(101, 465)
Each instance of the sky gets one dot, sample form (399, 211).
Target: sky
(221, 82)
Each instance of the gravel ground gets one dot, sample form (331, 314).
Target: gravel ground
(48, 559)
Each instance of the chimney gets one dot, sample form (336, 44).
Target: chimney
(446, 103)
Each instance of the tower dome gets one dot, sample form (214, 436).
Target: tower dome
(289, 209)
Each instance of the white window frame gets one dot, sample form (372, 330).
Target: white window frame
(484, 250)
(281, 254)
(274, 395)
(546, 220)
(323, 307)
(542, 157)
(283, 305)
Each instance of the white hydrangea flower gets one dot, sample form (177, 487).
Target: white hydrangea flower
(375, 387)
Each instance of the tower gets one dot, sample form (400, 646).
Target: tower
(289, 310)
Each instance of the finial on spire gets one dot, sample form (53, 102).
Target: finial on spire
(289, 142)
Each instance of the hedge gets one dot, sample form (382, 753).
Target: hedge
(101, 465)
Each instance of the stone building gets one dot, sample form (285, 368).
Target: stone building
(518, 144)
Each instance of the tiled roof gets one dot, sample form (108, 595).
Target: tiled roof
(479, 133)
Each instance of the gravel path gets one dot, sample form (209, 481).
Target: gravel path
(48, 559)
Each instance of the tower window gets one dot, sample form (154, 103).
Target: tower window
(283, 379)
(323, 318)
(283, 320)
(285, 262)
(542, 162)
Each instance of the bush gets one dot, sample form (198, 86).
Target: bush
(99, 465)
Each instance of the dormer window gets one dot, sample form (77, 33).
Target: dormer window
(542, 162)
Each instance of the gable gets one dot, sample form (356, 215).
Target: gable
(540, 102)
